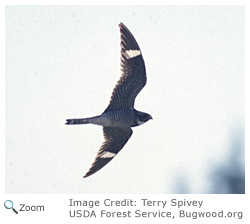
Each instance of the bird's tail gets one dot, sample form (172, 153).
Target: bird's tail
(90, 120)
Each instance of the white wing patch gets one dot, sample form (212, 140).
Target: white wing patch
(132, 53)
(106, 154)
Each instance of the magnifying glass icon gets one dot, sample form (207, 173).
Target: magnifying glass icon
(9, 205)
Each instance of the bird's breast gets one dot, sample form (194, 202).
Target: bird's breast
(118, 118)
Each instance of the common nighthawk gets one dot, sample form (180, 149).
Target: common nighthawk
(120, 114)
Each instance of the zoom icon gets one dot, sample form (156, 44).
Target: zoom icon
(9, 205)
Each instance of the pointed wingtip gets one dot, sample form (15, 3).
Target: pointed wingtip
(128, 41)
(122, 26)
(88, 174)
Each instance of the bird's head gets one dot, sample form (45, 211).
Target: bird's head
(143, 117)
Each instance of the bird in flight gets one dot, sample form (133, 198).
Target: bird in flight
(120, 115)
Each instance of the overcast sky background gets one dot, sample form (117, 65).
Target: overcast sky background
(64, 61)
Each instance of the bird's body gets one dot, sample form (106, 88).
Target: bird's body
(118, 118)
(120, 115)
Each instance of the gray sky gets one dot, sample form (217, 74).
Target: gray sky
(63, 62)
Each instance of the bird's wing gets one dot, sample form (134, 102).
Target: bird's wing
(133, 77)
(114, 140)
